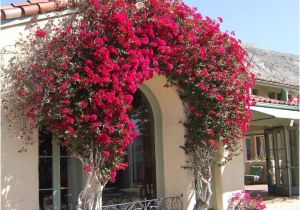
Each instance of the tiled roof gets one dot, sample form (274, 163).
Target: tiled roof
(31, 7)
(276, 82)
(255, 98)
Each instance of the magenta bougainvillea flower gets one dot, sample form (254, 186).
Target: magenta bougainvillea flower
(82, 84)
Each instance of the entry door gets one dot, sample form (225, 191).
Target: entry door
(294, 159)
(277, 162)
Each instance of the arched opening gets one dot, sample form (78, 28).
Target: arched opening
(62, 174)
(138, 180)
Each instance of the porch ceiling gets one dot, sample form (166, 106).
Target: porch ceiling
(270, 117)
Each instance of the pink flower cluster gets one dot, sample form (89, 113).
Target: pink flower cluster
(243, 200)
(87, 73)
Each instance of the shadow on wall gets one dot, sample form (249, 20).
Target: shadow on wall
(230, 180)
(19, 171)
(6, 203)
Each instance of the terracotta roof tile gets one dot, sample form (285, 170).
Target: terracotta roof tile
(37, 1)
(47, 7)
(20, 4)
(32, 7)
(12, 13)
(275, 81)
(31, 10)
(255, 98)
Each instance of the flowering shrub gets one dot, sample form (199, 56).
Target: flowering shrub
(244, 201)
(81, 78)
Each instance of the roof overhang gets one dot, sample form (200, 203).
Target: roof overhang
(277, 113)
(270, 117)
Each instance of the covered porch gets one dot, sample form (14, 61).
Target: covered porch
(273, 143)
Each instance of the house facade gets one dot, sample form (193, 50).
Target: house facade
(46, 177)
(273, 139)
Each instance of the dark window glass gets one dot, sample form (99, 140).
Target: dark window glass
(64, 196)
(64, 172)
(45, 143)
(254, 92)
(249, 148)
(45, 170)
(271, 95)
(279, 96)
(260, 147)
(294, 146)
(69, 185)
(63, 151)
(45, 173)
(46, 199)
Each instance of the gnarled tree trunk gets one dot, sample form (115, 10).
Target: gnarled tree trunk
(203, 162)
(90, 197)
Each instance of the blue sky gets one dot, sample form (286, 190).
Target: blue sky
(271, 24)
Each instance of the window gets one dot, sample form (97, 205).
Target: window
(271, 95)
(255, 146)
(279, 96)
(260, 147)
(59, 175)
(249, 148)
(254, 92)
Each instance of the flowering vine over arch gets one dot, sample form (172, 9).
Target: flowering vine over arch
(82, 76)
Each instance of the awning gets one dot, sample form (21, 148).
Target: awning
(275, 113)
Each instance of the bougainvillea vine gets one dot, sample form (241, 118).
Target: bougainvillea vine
(81, 78)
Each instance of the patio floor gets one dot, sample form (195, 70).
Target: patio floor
(274, 202)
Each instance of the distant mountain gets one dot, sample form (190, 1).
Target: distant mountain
(272, 65)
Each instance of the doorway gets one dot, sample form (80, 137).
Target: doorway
(282, 149)
(138, 181)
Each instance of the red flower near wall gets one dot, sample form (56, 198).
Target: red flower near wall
(82, 84)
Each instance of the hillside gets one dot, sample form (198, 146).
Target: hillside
(272, 65)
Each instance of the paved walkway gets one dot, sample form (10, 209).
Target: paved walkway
(274, 202)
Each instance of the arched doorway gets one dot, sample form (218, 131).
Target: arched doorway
(138, 181)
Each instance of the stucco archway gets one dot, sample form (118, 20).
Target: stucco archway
(168, 111)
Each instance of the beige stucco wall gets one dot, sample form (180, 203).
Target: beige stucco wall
(176, 180)
(229, 179)
(19, 172)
